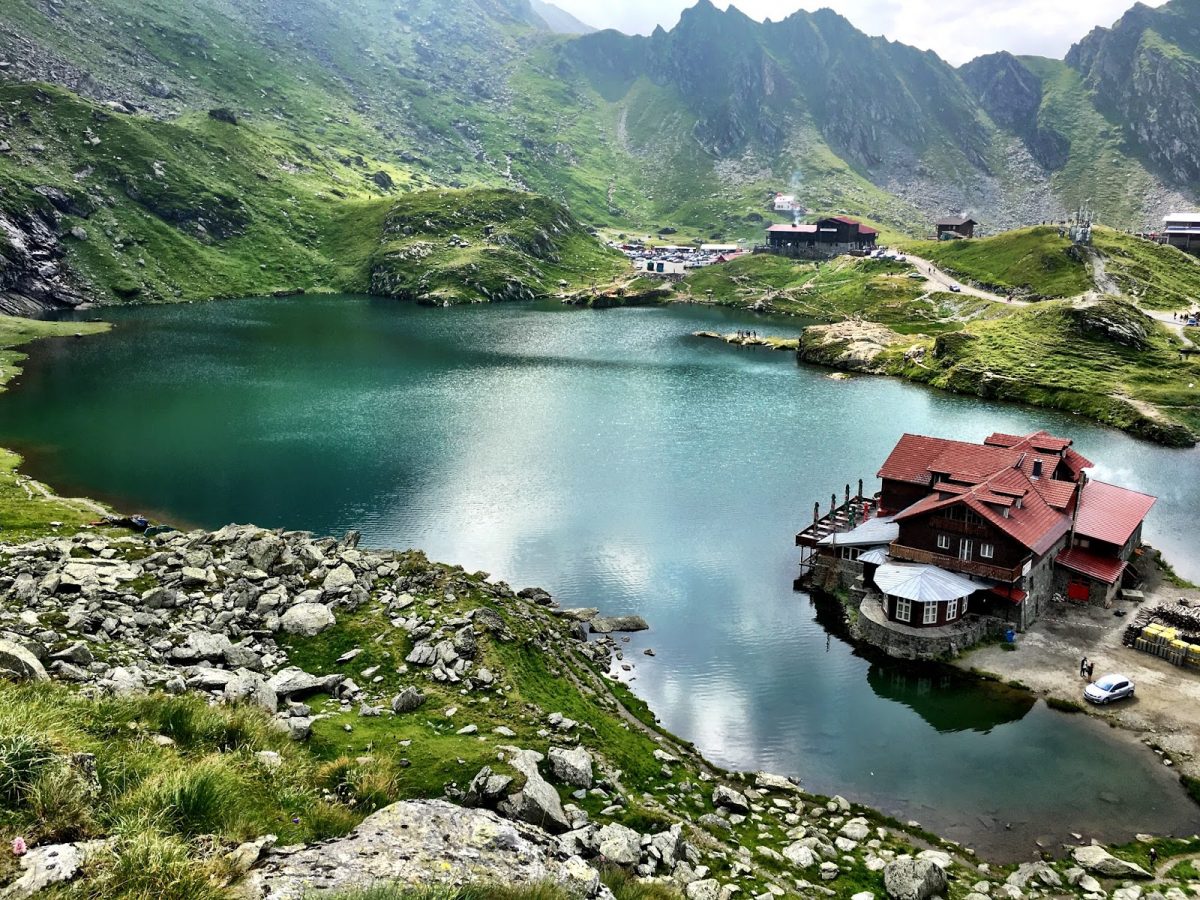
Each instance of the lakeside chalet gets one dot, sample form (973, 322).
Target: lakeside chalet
(966, 539)
(823, 238)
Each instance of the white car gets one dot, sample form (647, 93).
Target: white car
(1108, 688)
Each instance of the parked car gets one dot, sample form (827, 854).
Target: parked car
(955, 289)
(1108, 688)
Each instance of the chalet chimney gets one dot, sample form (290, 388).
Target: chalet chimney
(1037, 468)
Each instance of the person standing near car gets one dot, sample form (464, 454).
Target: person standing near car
(1091, 666)
(1083, 667)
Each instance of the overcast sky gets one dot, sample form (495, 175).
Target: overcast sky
(958, 30)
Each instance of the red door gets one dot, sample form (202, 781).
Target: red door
(1078, 589)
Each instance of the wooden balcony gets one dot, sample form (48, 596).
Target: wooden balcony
(958, 526)
(954, 564)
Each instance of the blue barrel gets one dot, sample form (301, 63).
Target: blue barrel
(1010, 636)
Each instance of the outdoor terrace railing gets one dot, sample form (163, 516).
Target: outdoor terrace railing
(954, 564)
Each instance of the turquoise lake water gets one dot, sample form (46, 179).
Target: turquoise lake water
(619, 462)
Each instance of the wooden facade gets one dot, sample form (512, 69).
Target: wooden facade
(925, 615)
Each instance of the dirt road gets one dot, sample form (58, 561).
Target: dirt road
(948, 281)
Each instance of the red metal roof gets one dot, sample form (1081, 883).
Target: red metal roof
(1058, 494)
(796, 229)
(916, 456)
(1076, 462)
(1039, 440)
(1034, 524)
(866, 229)
(1109, 513)
(1103, 568)
(1008, 592)
(846, 220)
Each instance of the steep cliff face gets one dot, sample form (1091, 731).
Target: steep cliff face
(1145, 72)
(1012, 95)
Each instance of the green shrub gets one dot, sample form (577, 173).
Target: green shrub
(61, 805)
(147, 866)
(22, 758)
(207, 797)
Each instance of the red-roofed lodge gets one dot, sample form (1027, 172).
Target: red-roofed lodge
(823, 238)
(963, 533)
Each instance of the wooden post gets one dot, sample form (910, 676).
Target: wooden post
(860, 496)
(847, 495)
(832, 505)
(816, 512)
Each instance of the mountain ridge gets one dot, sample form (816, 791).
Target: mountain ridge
(694, 128)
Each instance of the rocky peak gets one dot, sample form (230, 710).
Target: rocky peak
(1144, 73)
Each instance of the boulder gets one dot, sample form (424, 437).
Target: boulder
(765, 781)
(18, 663)
(422, 844)
(51, 864)
(486, 788)
(726, 797)
(1100, 862)
(571, 766)
(250, 687)
(294, 682)
(308, 619)
(609, 624)
(704, 889)
(200, 645)
(799, 855)
(537, 802)
(337, 580)
(619, 845)
(124, 682)
(407, 700)
(913, 879)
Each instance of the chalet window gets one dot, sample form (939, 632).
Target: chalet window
(929, 616)
(951, 610)
(965, 547)
(943, 542)
(964, 604)
(903, 609)
(986, 551)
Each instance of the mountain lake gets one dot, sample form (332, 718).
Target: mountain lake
(619, 462)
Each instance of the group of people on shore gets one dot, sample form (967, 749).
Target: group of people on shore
(747, 335)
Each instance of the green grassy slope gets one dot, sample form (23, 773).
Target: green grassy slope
(200, 208)
(454, 246)
(878, 290)
(1156, 276)
(1031, 261)
(1106, 361)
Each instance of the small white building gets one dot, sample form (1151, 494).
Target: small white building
(785, 202)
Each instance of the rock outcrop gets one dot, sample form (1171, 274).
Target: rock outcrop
(420, 843)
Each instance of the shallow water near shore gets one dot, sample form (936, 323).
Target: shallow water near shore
(616, 460)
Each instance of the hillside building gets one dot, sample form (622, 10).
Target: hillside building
(964, 539)
(823, 238)
(1182, 230)
(955, 227)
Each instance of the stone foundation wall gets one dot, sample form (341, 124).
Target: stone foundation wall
(872, 626)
